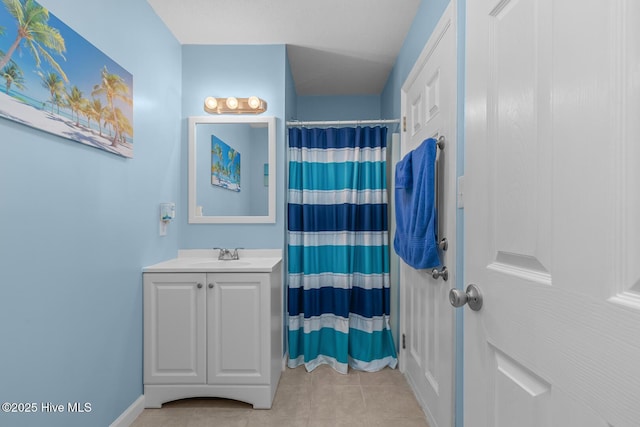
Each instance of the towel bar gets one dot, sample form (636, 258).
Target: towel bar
(444, 273)
(440, 143)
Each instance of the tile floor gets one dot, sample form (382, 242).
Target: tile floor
(322, 398)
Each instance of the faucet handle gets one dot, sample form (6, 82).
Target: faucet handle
(221, 253)
(235, 253)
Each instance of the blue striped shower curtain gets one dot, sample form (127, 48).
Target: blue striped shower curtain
(338, 250)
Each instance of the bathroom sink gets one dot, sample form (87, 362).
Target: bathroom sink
(221, 263)
(206, 261)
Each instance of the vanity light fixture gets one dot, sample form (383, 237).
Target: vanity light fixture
(251, 105)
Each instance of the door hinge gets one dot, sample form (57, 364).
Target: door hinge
(404, 341)
(404, 123)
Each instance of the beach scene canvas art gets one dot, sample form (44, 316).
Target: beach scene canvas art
(53, 79)
(225, 165)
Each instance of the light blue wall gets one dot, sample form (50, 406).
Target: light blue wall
(291, 96)
(77, 224)
(427, 16)
(423, 25)
(348, 107)
(239, 71)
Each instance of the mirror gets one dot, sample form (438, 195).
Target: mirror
(232, 165)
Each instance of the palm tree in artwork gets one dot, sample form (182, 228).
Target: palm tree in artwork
(74, 101)
(33, 30)
(236, 171)
(217, 150)
(12, 75)
(124, 125)
(95, 111)
(52, 82)
(57, 101)
(113, 87)
(232, 157)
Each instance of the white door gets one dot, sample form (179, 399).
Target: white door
(552, 213)
(429, 105)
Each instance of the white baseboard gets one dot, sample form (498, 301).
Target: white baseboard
(130, 414)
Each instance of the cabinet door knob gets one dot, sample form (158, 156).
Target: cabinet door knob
(199, 285)
(210, 285)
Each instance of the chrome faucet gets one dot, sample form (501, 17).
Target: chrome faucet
(228, 255)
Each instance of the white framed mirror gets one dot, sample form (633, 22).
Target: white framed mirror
(232, 169)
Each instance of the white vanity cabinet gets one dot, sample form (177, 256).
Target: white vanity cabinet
(216, 334)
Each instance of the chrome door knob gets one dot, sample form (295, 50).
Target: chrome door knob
(472, 296)
(210, 285)
(199, 285)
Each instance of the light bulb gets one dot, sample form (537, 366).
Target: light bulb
(254, 102)
(210, 102)
(232, 102)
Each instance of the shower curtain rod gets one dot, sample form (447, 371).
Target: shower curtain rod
(341, 122)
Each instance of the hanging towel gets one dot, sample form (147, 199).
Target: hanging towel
(415, 238)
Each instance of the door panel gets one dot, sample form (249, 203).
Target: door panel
(237, 339)
(429, 105)
(551, 213)
(519, 180)
(174, 322)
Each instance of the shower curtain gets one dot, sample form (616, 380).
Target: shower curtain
(338, 250)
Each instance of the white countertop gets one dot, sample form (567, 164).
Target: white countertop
(206, 261)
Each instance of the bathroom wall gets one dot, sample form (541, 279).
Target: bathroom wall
(239, 71)
(76, 226)
(338, 107)
(427, 16)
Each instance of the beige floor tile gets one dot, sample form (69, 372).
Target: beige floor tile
(291, 402)
(216, 420)
(386, 376)
(344, 422)
(325, 374)
(397, 422)
(322, 398)
(160, 419)
(390, 401)
(278, 422)
(297, 376)
(336, 401)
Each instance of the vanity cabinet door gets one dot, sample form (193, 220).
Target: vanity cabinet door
(174, 328)
(238, 328)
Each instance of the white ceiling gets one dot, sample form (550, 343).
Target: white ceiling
(335, 47)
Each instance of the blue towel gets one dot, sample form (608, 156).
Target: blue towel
(415, 239)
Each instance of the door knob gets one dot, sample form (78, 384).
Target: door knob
(472, 296)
